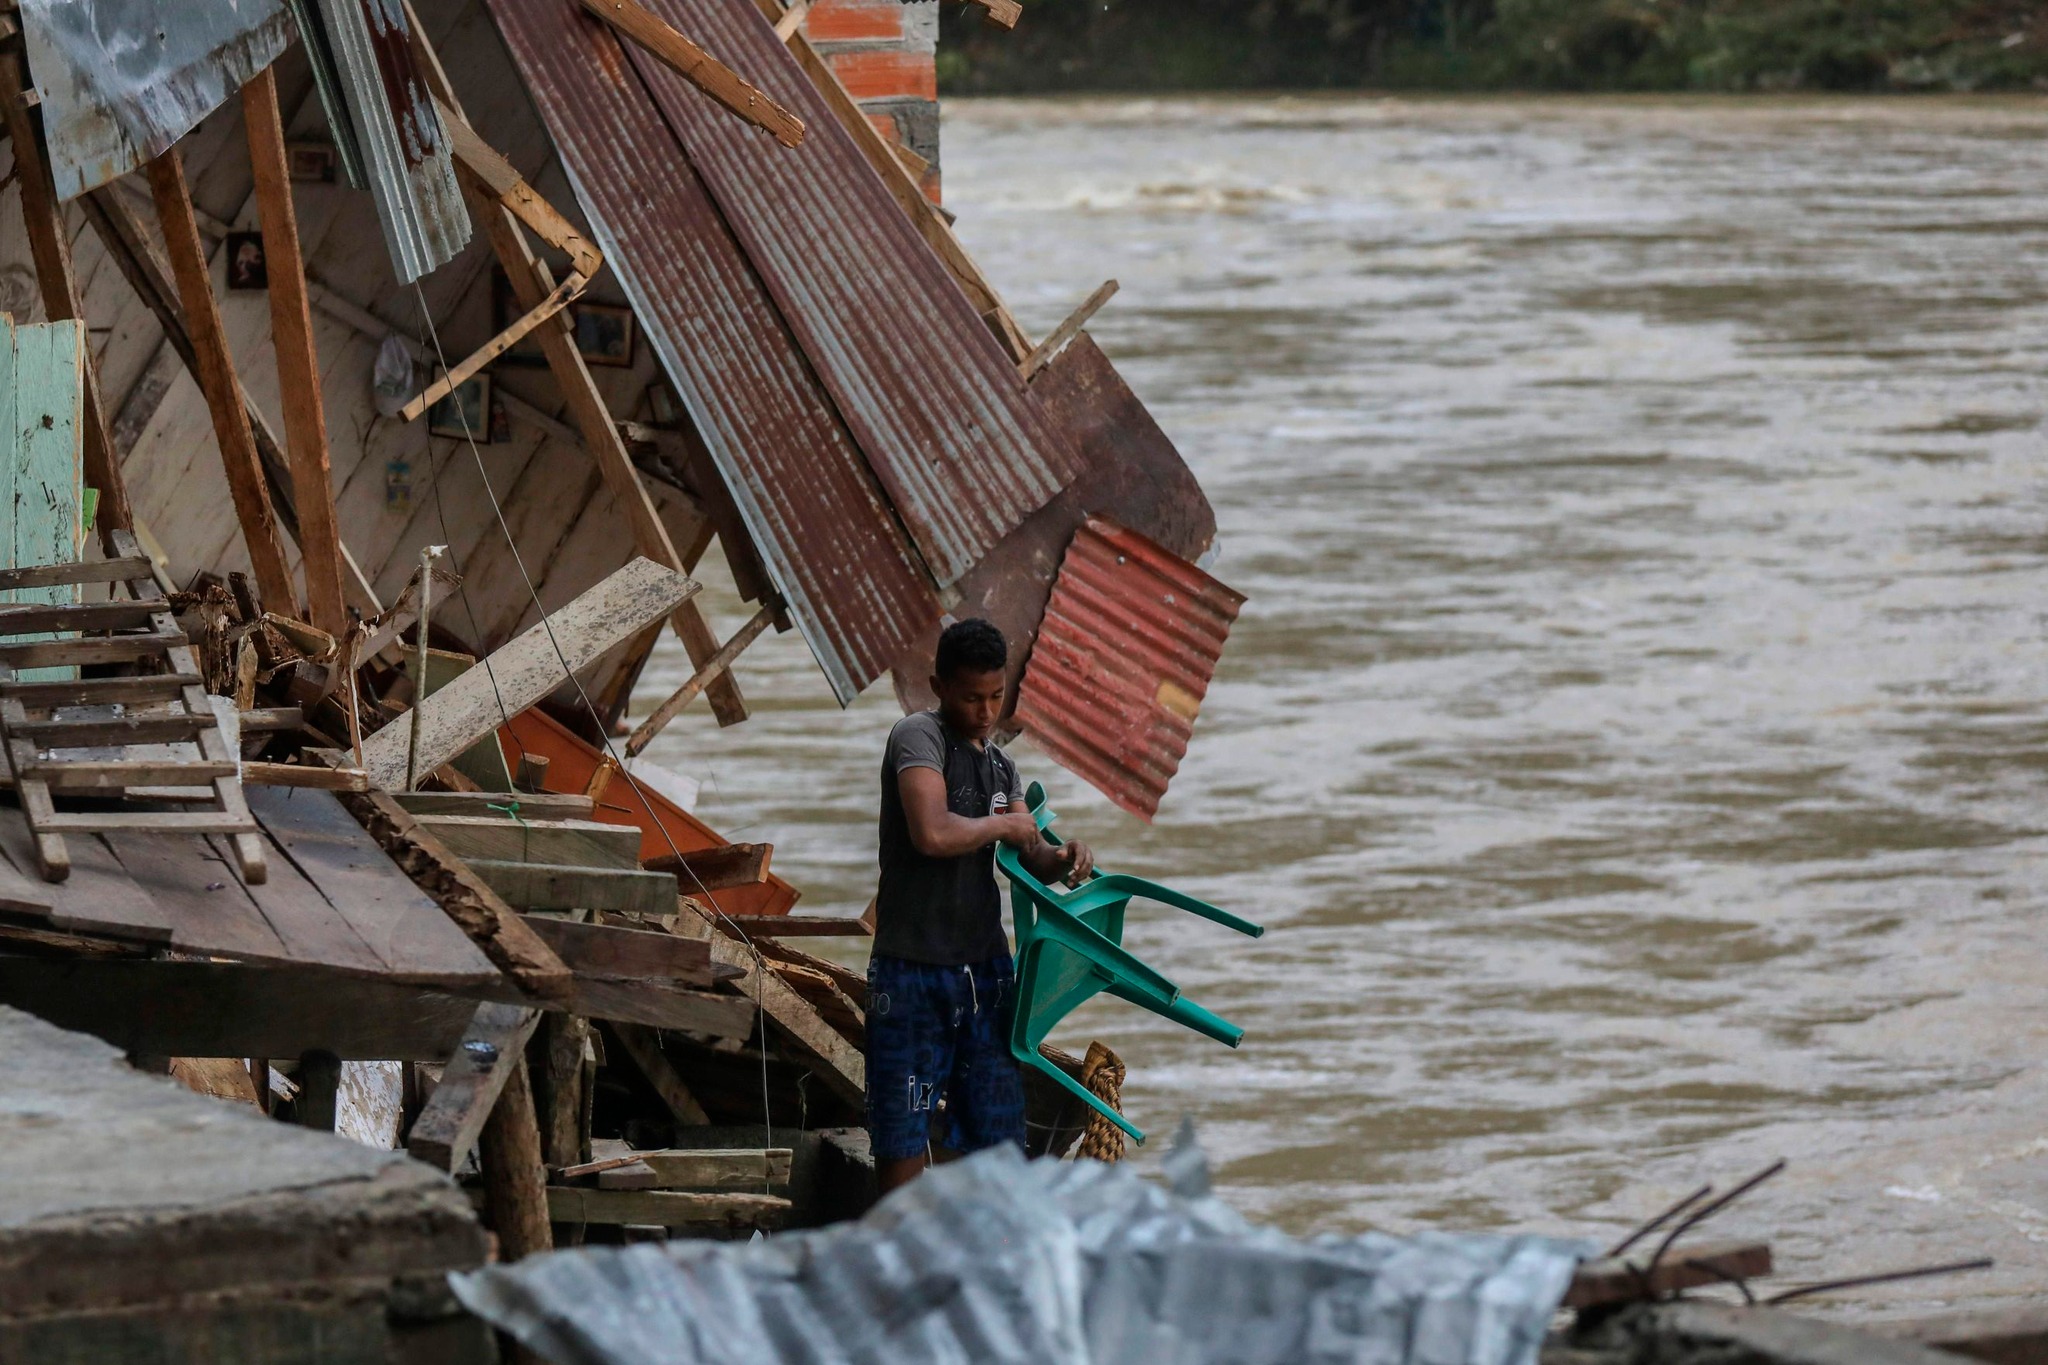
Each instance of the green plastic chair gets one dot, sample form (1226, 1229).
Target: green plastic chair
(1070, 949)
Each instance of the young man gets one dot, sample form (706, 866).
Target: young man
(941, 983)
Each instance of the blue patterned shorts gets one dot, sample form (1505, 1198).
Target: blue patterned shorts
(941, 1031)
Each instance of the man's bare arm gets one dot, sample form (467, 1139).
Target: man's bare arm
(938, 833)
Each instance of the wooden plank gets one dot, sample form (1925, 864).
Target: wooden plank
(504, 182)
(710, 1168)
(798, 926)
(213, 912)
(270, 720)
(98, 898)
(629, 954)
(50, 245)
(402, 923)
(308, 775)
(579, 843)
(699, 870)
(145, 822)
(546, 886)
(700, 68)
(491, 925)
(667, 1208)
(718, 664)
(217, 379)
(1621, 1279)
(453, 1118)
(35, 617)
(499, 805)
(816, 1043)
(84, 734)
(98, 691)
(298, 364)
(661, 1004)
(1000, 13)
(1043, 353)
(43, 493)
(117, 774)
(19, 895)
(92, 571)
(528, 668)
(98, 649)
(643, 1047)
(236, 1009)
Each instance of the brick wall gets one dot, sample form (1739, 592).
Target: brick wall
(883, 52)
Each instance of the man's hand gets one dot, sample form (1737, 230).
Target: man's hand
(1016, 829)
(1080, 860)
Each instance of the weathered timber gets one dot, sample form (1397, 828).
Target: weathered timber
(528, 668)
(817, 1044)
(498, 805)
(643, 1047)
(683, 1168)
(699, 68)
(515, 1177)
(554, 1061)
(716, 869)
(545, 886)
(630, 954)
(667, 1208)
(1621, 1279)
(309, 775)
(470, 1085)
(319, 1094)
(575, 843)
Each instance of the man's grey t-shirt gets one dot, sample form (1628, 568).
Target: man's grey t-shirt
(945, 911)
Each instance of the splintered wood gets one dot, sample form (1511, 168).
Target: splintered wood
(73, 735)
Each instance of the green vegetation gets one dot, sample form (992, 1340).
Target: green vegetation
(1864, 45)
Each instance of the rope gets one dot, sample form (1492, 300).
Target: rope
(1103, 1074)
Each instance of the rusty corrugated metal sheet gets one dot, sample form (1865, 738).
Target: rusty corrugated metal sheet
(1123, 660)
(121, 80)
(962, 446)
(811, 503)
(397, 131)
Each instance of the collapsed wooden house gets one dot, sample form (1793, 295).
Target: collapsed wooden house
(375, 375)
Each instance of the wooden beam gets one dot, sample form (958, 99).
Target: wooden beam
(792, 19)
(531, 283)
(478, 911)
(1622, 1279)
(706, 673)
(630, 954)
(319, 1094)
(477, 1072)
(562, 295)
(546, 886)
(503, 181)
(499, 805)
(298, 363)
(50, 244)
(1000, 13)
(699, 68)
(816, 1043)
(643, 1047)
(217, 379)
(580, 843)
(667, 1208)
(528, 668)
(798, 926)
(685, 1168)
(515, 1177)
(1042, 354)
(256, 774)
(716, 869)
(555, 1064)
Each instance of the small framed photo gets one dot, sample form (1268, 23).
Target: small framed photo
(604, 334)
(505, 311)
(464, 413)
(247, 267)
(312, 162)
(664, 409)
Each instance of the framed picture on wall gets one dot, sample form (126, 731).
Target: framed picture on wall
(464, 413)
(311, 162)
(604, 334)
(248, 268)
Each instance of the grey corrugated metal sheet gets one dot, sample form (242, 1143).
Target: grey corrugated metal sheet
(997, 1261)
(959, 442)
(397, 130)
(1124, 656)
(825, 532)
(121, 80)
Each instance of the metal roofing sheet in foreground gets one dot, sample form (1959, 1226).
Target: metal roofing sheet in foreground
(810, 501)
(1124, 656)
(963, 447)
(121, 80)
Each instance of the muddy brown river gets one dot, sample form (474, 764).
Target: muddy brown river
(1634, 737)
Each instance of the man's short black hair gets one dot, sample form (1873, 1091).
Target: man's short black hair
(971, 646)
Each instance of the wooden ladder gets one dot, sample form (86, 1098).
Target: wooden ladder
(41, 720)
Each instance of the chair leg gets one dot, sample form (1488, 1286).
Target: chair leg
(1082, 1093)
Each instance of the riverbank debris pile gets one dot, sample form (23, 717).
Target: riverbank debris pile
(374, 376)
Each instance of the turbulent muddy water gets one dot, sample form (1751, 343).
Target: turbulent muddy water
(1634, 736)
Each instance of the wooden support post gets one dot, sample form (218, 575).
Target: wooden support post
(707, 673)
(50, 244)
(298, 365)
(319, 1090)
(531, 284)
(556, 1062)
(217, 378)
(515, 1180)
(643, 1045)
(476, 1075)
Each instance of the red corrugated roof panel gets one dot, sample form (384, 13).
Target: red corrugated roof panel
(1130, 640)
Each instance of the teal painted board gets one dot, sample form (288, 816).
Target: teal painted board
(40, 484)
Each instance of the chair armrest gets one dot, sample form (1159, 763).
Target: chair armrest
(1124, 884)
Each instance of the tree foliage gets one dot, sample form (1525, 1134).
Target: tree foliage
(1504, 44)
